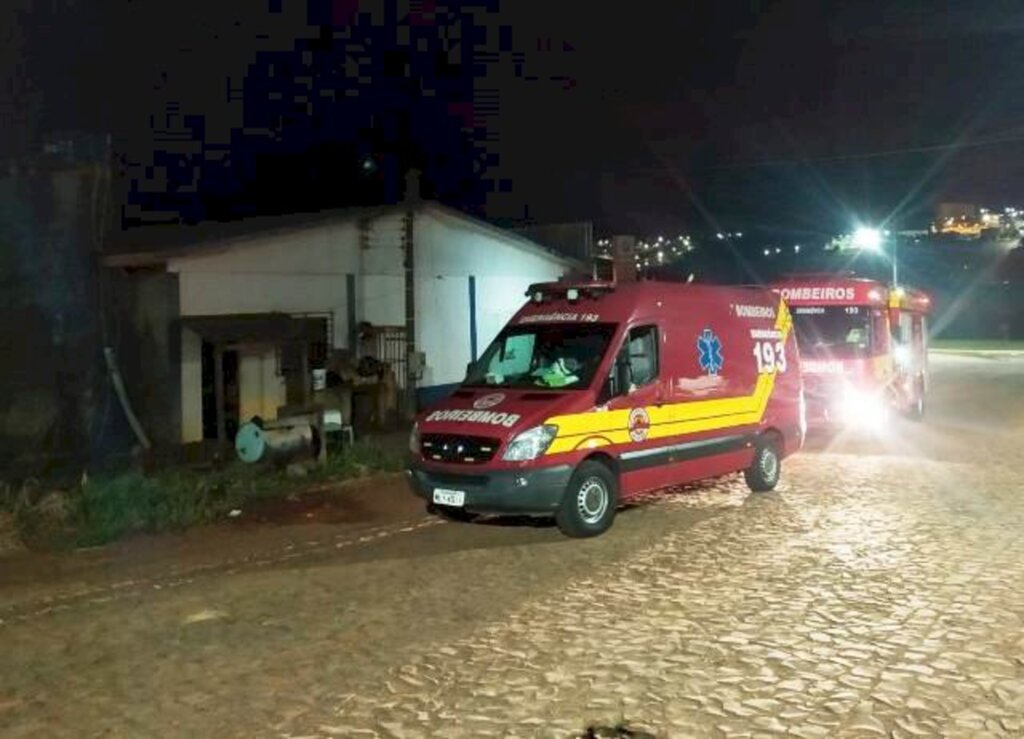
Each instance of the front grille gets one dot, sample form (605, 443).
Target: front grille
(459, 481)
(458, 449)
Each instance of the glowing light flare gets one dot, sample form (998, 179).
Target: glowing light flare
(864, 410)
(867, 239)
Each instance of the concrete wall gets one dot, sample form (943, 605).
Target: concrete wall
(261, 391)
(448, 252)
(300, 272)
(191, 390)
(52, 398)
(304, 271)
(380, 289)
(307, 272)
(148, 348)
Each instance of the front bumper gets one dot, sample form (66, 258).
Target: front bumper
(529, 491)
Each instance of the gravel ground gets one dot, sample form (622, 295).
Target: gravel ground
(877, 593)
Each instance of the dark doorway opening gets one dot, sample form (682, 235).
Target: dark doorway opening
(231, 392)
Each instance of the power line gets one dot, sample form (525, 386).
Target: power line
(860, 156)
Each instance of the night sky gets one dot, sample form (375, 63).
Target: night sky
(795, 115)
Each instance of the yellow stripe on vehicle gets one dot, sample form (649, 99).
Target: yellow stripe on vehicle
(595, 428)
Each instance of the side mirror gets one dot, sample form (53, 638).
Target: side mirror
(617, 382)
(623, 375)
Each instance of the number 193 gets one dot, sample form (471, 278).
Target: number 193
(771, 357)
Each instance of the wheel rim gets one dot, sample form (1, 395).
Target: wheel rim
(769, 464)
(592, 500)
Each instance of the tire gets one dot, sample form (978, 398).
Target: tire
(590, 501)
(763, 473)
(458, 515)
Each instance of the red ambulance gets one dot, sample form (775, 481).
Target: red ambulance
(595, 392)
(863, 346)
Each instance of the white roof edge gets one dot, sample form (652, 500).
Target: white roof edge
(511, 238)
(209, 247)
(241, 241)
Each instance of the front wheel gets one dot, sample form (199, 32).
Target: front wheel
(763, 473)
(588, 506)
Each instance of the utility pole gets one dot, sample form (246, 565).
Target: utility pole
(412, 198)
(895, 263)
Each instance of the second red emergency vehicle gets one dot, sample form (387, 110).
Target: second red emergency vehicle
(864, 348)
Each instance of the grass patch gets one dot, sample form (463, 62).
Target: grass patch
(386, 454)
(108, 507)
(977, 345)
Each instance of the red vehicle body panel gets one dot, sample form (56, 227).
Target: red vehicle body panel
(697, 418)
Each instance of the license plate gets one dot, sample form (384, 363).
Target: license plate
(449, 497)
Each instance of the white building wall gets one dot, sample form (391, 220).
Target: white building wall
(299, 272)
(191, 386)
(381, 288)
(261, 391)
(448, 252)
(306, 272)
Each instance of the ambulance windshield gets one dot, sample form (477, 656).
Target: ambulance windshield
(834, 330)
(543, 356)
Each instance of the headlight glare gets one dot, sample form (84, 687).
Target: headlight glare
(864, 409)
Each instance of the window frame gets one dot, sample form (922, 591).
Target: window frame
(624, 350)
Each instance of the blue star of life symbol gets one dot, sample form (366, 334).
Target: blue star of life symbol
(710, 349)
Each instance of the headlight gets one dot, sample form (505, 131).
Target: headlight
(901, 354)
(530, 444)
(414, 439)
(864, 409)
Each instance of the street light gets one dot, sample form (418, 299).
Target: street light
(870, 239)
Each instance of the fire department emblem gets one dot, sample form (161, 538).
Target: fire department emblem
(639, 424)
(488, 401)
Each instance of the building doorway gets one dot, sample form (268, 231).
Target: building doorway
(232, 395)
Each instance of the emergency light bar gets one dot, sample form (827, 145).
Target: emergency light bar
(541, 291)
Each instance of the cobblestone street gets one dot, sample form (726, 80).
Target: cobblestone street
(878, 592)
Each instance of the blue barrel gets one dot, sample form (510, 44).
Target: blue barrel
(280, 444)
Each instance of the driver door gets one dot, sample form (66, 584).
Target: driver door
(636, 377)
